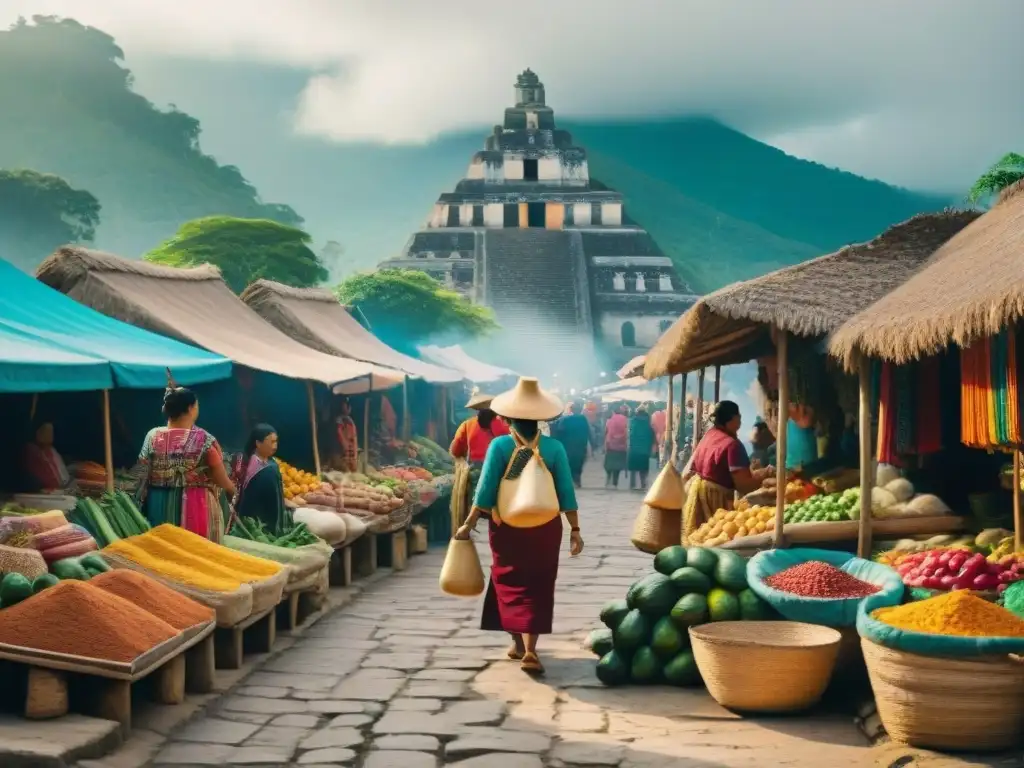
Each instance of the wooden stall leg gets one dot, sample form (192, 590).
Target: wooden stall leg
(365, 555)
(339, 571)
(309, 603)
(288, 611)
(264, 633)
(399, 551)
(114, 702)
(228, 651)
(417, 540)
(170, 681)
(200, 666)
(47, 695)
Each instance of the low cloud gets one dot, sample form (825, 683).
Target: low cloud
(919, 92)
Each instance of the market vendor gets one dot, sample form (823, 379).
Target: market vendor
(45, 467)
(185, 477)
(763, 442)
(348, 437)
(260, 487)
(719, 469)
(472, 439)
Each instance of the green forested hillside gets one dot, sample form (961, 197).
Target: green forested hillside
(723, 205)
(69, 110)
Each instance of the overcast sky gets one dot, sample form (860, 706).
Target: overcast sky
(922, 93)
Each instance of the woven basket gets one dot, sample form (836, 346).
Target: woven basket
(937, 702)
(765, 666)
(395, 520)
(655, 529)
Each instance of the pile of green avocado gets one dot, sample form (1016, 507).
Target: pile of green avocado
(15, 587)
(645, 639)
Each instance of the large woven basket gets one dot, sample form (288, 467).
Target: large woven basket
(937, 702)
(765, 666)
(655, 529)
(395, 520)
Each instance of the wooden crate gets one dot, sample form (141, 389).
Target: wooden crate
(57, 683)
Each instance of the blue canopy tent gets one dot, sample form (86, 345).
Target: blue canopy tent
(49, 342)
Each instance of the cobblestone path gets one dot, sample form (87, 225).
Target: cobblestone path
(403, 678)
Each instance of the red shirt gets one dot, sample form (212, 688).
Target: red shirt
(471, 440)
(718, 454)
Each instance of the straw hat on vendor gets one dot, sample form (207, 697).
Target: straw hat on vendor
(468, 448)
(525, 534)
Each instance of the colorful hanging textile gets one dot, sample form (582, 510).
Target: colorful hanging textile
(887, 416)
(903, 383)
(929, 406)
(990, 397)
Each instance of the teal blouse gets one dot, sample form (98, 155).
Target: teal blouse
(499, 454)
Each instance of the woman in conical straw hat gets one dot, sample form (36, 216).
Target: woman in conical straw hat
(468, 448)
(521, 596)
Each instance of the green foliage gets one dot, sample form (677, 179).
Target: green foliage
(40, 212)
(244, 250)
(1009, 170)
(73, 113)
(405, 307)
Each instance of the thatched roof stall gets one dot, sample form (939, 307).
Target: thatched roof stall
(973, 286)
(733, 325)
(811, 300)
(315, 318)
(634, 367)
(196, 306)
(472, 370)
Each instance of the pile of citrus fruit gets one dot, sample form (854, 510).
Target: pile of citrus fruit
(728, 524)
(296, 481)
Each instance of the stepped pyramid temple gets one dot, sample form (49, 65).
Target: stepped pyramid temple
(530, 234)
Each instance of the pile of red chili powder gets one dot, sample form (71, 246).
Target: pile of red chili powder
(817, 579)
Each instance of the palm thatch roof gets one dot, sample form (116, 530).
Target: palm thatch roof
(733, 324)
(196, 306)
(973, 286)
(314, 317)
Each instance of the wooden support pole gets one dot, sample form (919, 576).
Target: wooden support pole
(867, 479)
(311, 396)
(366, 432)
(1018, 516)
(698, 410)
(682, 418)
(718, 383)
(669, 423)
(781, 349)
(406, 423)
(108, 448)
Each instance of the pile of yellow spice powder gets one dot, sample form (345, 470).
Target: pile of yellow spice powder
(953, 613)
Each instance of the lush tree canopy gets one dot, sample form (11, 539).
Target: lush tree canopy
(40, 212)
(1009, 170)
(78, 116)
(406, 308)
(244, 250)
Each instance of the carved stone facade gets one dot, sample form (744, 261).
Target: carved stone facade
(529, 233)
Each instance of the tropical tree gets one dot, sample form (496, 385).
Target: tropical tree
(1008, 170)
(244, 250)
(405, 307)
(40, 212)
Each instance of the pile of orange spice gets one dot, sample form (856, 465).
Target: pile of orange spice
(953, 613)
(163, 602)
(77, 618)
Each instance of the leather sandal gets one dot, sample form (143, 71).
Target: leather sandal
(531, 664)
(515, 654)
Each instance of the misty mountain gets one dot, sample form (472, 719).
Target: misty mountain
(724, 206)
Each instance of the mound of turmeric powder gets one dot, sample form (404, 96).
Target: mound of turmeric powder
(953, 613)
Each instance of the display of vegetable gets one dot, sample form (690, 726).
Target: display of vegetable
(297, 535)
(959, 569)
(828, 508)
(110, 519)
(648, 640)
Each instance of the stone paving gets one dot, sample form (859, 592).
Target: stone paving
(404, 678)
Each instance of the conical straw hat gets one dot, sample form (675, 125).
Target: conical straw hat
(478, 401)
(526, 400)
(667, 490)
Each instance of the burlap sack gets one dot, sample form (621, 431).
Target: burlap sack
(267, 593)
(230, 607)
(300, 561)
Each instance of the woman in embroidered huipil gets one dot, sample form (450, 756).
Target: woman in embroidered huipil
(186, 481)
(260, 488)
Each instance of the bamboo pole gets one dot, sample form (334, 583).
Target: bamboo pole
(682, 418)
(1018, 516)
(698, 410)
(867, 481)
(781, 351)
(311, 397)
(35, 405)
(366, 432)
(718, 383)
(405, 408)
(108, 448)
(669, 424)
